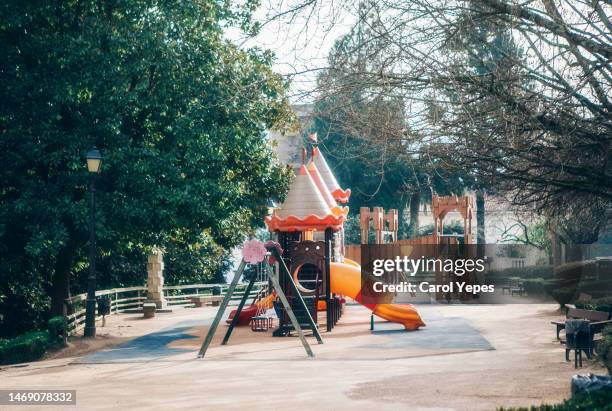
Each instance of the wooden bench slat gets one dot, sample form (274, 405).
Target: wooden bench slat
(592, 315)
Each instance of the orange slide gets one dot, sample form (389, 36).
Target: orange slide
(346, 280)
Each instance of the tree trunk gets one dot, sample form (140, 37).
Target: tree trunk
(480, 217)
(402, 231)
(60, 289)
(415, 205)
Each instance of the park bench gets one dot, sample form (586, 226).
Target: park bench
(202, 300)
(598, 319)
(148, 309)
(514, 287)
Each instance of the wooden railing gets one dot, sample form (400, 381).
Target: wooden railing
(129, 299)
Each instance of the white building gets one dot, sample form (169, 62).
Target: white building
(288, 146)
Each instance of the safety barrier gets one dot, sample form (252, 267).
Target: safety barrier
(131, 299)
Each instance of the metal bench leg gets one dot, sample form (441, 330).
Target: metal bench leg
(567, 355)
(575, 358)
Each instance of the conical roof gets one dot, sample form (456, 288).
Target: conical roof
(305, 208)
(304, 198)
(328, 177)
(321, 186)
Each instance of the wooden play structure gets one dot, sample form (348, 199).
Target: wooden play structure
(306, 263)
(385, 225)
(441, 206)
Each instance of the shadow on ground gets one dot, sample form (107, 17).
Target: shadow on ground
(149, 347)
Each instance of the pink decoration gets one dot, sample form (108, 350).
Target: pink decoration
(270, 244)
(253, 251)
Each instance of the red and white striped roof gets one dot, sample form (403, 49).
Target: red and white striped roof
(305, 208)
(328, 177)
(321, 186)
(304, 198)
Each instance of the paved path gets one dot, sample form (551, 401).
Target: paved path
(441, 332)
(258, 372)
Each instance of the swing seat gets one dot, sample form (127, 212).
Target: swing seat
(261, 323)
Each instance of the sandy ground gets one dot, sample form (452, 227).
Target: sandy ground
(501, 355)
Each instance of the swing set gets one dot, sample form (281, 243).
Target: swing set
(256, 252)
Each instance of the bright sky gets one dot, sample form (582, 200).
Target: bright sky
(301, 45)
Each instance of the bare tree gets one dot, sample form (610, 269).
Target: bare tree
(535, 124)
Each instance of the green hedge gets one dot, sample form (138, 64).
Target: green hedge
(566, 291)
(534, 285)
(27, 347)
(604, 349)
(56, 327)
(32, 346)
(561, 292)
(600, 304)
(536, 271)
(598, 289)
(596, 401)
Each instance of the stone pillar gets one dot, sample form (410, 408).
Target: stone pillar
(155, 279)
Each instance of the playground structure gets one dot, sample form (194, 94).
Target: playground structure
(309, 228)
(306, 264)
(385, 227)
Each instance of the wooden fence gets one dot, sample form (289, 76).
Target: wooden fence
(131, 299)
(421, 246)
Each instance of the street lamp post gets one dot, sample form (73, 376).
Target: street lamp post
(94, 161)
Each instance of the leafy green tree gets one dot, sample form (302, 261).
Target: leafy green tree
(178, 112)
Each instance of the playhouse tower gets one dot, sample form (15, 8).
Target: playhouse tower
(309, 227)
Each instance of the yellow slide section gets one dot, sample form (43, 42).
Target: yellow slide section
(266, 303)
(346, 280)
